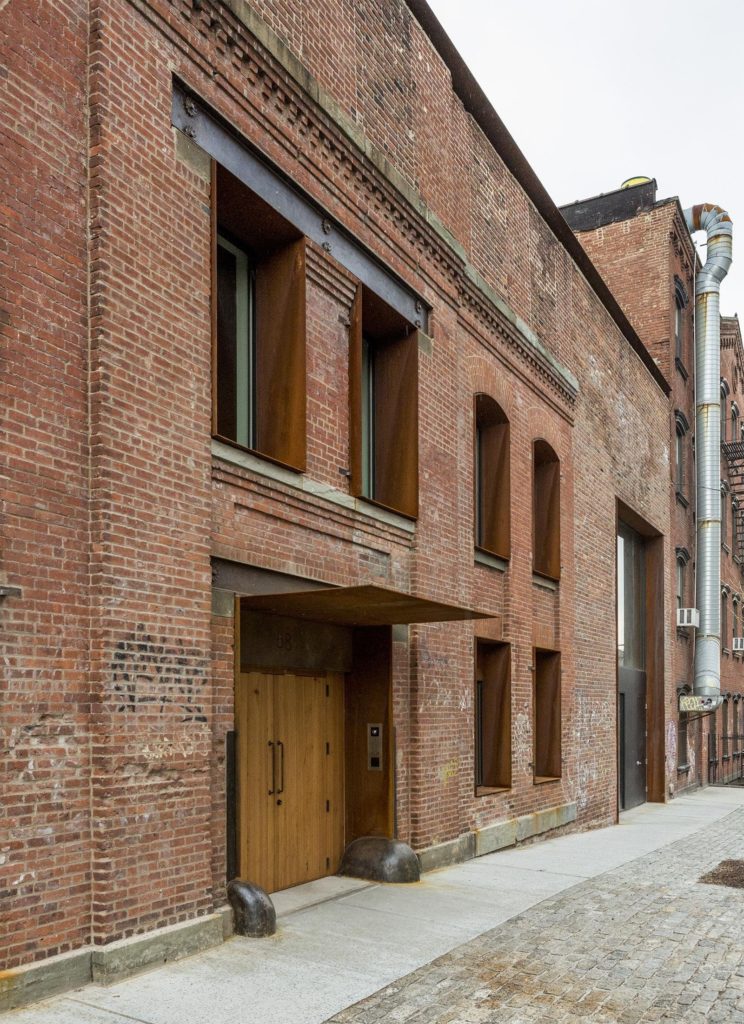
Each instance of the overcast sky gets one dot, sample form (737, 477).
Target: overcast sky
(594, 93)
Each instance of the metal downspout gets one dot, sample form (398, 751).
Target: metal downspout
(717, 224)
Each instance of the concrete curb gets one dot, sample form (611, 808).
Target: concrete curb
(113, 962)
(496, 837)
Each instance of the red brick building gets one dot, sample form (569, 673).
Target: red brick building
(320, 425)
(643, 249)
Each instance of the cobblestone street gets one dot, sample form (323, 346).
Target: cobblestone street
(645, 942)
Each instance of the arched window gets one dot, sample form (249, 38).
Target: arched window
(681, 427)
(724, 621)
(546, 511)
(683, 557)
(734, 421)
(492, 498)
(680, 301)
(725, 391)
(735, 613)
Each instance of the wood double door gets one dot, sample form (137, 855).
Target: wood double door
(290, 760)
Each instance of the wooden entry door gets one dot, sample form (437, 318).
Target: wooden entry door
(290, 777)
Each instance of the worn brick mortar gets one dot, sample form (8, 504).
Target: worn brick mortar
(646, 942)
(141, 681)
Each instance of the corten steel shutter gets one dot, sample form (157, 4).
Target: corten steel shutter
(396, 424)
(494, 672)
(280, 356)
(546, 512)
(495, 481)
(547, 714)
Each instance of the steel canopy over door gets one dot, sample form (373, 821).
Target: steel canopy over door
(631, 653)
(290, 777)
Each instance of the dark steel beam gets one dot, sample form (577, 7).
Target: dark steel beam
(208, 131)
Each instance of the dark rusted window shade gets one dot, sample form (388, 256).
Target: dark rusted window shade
(546, 511)
(280, 355)
(492, 480)
(258, 363)
(547, 715)
(384, 409)
(493, 716)
(226, 281)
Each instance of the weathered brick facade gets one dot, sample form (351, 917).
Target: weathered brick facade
(118, 656)
(644, 252)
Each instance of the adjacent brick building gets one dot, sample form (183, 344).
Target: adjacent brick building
(643, 249)
(320, 425)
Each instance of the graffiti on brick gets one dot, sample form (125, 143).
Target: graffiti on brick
(151, 672)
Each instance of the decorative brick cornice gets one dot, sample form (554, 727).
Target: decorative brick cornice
(302, 109)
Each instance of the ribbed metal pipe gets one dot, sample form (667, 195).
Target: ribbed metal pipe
(717, 224)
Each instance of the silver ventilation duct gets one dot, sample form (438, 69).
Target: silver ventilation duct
(717, 224)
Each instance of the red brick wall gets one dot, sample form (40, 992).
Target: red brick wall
(161, 665)
(44, 743)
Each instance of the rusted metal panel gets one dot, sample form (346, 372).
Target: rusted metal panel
(367, 605)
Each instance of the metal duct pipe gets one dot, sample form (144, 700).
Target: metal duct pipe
(717, 224)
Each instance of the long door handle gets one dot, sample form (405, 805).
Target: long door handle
(273, 768)
(280, 747)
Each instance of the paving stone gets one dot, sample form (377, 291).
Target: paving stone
(644, 943)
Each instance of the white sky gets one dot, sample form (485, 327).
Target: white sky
(594, 93)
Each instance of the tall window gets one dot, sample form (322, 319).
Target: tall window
(724, 513)
(734, 421)
(724, 621)
(681, 427)
(725, 727)
(547, 715)
(492, 716)
(725, 390)
(735, 728)
(236, 344)
(258, 358)
(492, 482)
(546, 511)
(383, 400)
(680, 583)
(735, 615)
(734, 527)
(680, 301)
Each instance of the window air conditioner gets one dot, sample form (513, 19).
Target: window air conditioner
(688, 617)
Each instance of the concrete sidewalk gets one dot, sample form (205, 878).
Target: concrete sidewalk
(328, 956)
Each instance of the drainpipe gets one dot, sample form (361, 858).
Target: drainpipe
(717, 224)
